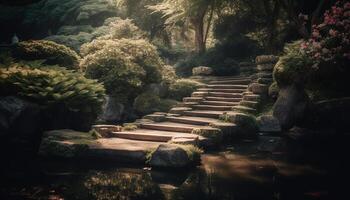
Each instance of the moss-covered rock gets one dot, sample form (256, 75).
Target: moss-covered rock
(263, 59)
(65, 143)
(50, 51)
(174, 156)
(246, 124)
(214, 134)
(293, 67)
(274, 90)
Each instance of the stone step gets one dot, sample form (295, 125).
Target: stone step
(219, 103)
(212, 107)
(232, 81)
(225, 99)
(199, 94)
(187, 104)
(223, 94)
(192, 120)
(171, 126)
(221, 90)
(250, 104)
(192, 99)
(228, 86)
(152, 135)
(198, 120)
(244, 109)
(204, 113)
(251, 97)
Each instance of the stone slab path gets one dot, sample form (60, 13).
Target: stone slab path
(201, 111)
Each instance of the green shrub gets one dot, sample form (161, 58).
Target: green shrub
(183, 88)
(120, 76)
(139, 52)
(146, 103)
(168, 74)
(52, 52)
(70, 100)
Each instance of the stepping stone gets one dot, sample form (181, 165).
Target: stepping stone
(192, 99)
(251, 104)
(187, 104)
(228, 86)
(171, 126)
(221, 90)
(153, 135)
(155, 117)
(244, 109)
(204, 113)
(225, 99)
(233, 81)
(251, 97)
(193, 120)
(212, 107)
(199, 94)
(219, 103)
(222, 94)
(179, 110)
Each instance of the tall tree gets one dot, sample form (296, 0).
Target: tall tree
(199, 14)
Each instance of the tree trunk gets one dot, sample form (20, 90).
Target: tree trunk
(198, 25)
(197, 21)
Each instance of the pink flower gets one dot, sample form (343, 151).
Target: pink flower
(333, 32)
(347, 5)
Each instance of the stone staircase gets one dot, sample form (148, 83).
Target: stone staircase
(196, 119)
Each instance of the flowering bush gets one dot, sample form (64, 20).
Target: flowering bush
(330, 40)
(320, 64)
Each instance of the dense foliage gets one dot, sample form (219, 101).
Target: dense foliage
(120, 76)
(68, 98)
(50, 51)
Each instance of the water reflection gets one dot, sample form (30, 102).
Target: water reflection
(223, 175)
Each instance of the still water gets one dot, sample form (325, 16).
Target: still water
(232, 173)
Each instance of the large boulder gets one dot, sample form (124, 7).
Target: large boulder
(202, 71)
(291, 106)
(167, 155)
(246, 124)
(112, 110)
(20, 124)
